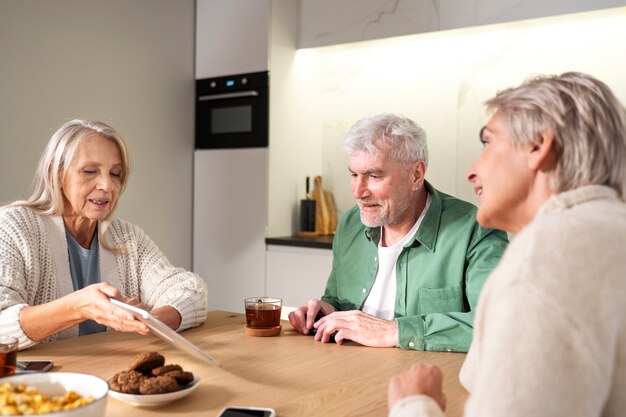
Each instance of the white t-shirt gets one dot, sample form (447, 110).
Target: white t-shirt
(381, 301)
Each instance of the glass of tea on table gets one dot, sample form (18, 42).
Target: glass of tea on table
(263, 316)
(8, 355)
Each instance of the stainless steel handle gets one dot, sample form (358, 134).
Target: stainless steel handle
(238, 94)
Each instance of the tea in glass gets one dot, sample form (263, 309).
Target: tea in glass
(263, 312)
(8, 355)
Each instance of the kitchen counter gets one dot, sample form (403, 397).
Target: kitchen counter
(320, 242)
(297, 268)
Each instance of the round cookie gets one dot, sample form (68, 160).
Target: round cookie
(158, 385)
(161, 370)
(127, 382)
(147, 361)
(182, 377)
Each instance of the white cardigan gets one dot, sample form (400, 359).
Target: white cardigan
(550, 327)
(34, 269)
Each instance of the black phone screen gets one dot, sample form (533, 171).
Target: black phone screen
(35, 365)
(242, 412)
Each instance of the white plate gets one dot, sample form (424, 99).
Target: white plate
(153, 400)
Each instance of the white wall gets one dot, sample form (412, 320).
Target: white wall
(295, 138)
(129, 63)
(231, 37)
(439, 79)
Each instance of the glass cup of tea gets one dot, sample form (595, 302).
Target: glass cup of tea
(8, 355)
(263, 316)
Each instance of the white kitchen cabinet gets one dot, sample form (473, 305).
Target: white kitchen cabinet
(331, 22)
(232, 37)
(296, 274)
(230, 218)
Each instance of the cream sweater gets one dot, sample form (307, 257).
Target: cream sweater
(550, 329)
(34, 269)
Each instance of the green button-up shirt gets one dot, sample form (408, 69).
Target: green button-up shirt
(439, 273)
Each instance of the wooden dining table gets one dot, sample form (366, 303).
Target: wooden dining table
(291, 373)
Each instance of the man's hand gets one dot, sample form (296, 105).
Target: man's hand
(420, 379)
(359, 327)
(303, 318)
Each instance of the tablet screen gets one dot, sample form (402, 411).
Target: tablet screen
(161, 330)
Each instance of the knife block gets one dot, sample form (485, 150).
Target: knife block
(326, 214)
(308, 210)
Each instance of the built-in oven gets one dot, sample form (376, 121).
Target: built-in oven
(232, 112)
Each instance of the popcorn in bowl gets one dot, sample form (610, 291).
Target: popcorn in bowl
(61, 393)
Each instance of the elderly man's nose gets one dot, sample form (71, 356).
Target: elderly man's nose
(359, 188)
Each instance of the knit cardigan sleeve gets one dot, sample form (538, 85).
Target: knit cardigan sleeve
(416, 406)
(25, 269)
(144, 272)
(34, 270)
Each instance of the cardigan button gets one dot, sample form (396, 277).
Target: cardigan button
(364, 290)
(411, 344)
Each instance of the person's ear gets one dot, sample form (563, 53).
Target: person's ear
(419, 171)
(541, 153)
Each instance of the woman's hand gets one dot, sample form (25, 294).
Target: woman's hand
(134, 302)
(92, 303)
(420, 379)
(168, 315)
(89, 303)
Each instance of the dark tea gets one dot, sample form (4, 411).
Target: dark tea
(263, 316)
(8, 362)
(8, 355)
(263, 312)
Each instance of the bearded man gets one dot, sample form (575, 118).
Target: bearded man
(408, 261)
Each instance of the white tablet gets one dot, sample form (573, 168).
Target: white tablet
(163, 331)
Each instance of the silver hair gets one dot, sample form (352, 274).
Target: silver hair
(47, 197)
(587, 121)
(405, 140)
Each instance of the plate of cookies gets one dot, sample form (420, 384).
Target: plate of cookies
(150, 382)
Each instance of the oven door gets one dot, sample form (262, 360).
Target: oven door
(235, 119)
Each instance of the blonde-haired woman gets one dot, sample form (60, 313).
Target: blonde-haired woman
(63, 255)
(550, 329)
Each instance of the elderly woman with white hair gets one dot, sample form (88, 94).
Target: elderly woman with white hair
(63, 255)
(550, 330)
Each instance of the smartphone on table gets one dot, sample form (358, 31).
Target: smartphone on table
(34, 366)
(247, 412)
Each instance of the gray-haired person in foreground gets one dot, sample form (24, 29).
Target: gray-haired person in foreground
(550, 336)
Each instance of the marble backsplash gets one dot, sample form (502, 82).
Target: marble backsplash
(331, 22)
(440, 80)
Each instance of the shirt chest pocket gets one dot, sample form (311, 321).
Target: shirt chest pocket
(441, 300)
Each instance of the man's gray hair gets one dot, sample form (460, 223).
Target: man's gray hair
(587, 122)
(405, 140)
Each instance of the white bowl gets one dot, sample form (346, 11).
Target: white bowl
(57, 383)
(154, 400)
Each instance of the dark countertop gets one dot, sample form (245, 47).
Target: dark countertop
(321, 242)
